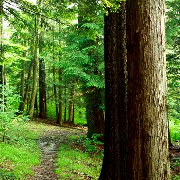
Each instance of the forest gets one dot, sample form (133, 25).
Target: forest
(89, 89)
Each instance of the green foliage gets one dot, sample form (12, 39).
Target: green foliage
(18, 159)
(8, 118)
(174, 130)
(92, 145)
(73, 164)
(176, 164)
(7, 175)
(20, 153)
(80, 116)
(176, 177)
(173, 65)
(51, 113)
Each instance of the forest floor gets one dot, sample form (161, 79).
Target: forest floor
(174, 152)
(54, 136)
(49, 143)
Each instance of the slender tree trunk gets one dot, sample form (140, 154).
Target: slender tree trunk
(59, 118)
(147, 110)
(2, 66)
(71, 104)
(36, 109)
(42, 73)
(116, 138)
(65, 104)
(22, 91)
(35, 67)
(25, 96)
(169, 137)
(55, 91)
(42, 89)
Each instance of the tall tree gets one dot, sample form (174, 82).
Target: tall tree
(115, 139)
(42, 73)
(146, 98)
(2, 65)
(35, 65)
(88, 11)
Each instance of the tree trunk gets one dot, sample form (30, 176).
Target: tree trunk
(65, 104)
(36, 109)
(25, 97)
(59, 118)
(71, 104)
(94, 112)
(42, 74)
(55, 91)
(2, 66)
(146, 102)
(116, 138)
(22, 91)
(42, 89)
(35, 67)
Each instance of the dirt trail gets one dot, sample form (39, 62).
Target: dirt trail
(49, 143)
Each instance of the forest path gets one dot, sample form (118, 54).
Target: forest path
(49, 143)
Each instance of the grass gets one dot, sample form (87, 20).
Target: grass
(175, 131)
(18, 159)
(19, 153)
(75, 164)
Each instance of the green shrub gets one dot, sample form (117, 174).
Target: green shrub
(174, 130)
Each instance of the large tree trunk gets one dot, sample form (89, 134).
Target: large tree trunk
(115, 139)
(147, 110)
(94, 111)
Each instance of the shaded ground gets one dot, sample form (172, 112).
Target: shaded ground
(174, 152)
(54, 136)
(49, 144)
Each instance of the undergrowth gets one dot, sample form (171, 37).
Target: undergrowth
(174, 130)
(75, 164)
(19, 152)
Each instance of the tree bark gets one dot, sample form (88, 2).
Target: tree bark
(35, 67)
(94, 112)
(25, 97)
(59, 118)
(42, 73)
(2, 66)
(22, 91)
(65, 103)
(116, 138)
(71, 104)
(146, 103)
(42, 89)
